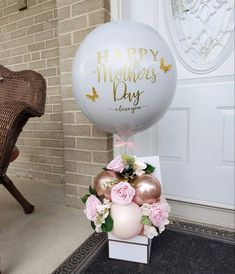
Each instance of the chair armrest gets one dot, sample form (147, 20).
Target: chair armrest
(38, 85)
(25, 86)
(5, 72)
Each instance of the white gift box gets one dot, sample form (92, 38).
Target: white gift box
(138, 248)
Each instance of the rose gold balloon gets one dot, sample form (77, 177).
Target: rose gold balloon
(104, 181)
(147, 189)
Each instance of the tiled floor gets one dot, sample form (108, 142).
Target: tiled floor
(38, 243)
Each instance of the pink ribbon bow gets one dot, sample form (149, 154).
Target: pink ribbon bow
(122, 143)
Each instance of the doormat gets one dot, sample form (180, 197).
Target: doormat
(183, 248)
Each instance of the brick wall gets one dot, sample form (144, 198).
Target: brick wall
(86, 148)
(61, 146)
(29, 40)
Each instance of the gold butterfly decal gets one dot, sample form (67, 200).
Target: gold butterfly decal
(93, 96)
(163, 66)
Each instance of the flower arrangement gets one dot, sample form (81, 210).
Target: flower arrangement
(126, 200)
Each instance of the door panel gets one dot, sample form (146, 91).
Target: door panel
(195, 141)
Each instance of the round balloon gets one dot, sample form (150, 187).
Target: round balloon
(124, 77)
(147, 189)
(126, 220)
(104, 181)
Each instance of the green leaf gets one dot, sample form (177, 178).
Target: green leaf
(93, 225)
(149, 169)
(145, 220)
(92, 191)
(108, 225)
(85, 197)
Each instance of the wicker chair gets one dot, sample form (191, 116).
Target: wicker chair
(22, 95)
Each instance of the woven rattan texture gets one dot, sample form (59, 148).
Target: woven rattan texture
(22, 95)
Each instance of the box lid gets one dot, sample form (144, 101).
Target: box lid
(140, 239)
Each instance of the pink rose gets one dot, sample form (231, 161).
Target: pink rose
(159, 213)
(122, 193)
(91, 204)
(116, 164)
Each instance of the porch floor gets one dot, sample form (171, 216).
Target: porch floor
(39, 242)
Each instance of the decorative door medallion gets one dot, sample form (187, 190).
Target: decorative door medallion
(201, 32)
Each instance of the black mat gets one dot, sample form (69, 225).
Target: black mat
(173, 252)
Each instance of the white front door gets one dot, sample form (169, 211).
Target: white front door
(195, 139)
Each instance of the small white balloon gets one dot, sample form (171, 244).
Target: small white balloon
(126, 220)
(124, 77)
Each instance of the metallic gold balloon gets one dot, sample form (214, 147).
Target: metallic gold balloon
(104, 181)
(147, 189)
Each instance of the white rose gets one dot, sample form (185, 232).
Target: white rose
(161, 229)
(139, 172)
(101, 209)
(139, 167)
(98, 228)
(150, 231)
(145, 210)
(105, 214)
(107, 203)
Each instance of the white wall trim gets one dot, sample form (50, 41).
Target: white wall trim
(200, 202)
(206, 80)
(203, 214)
(123, 10)
(116, 10)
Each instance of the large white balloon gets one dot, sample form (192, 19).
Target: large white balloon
(124, 77)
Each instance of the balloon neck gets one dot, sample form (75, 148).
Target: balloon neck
(124, 144)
